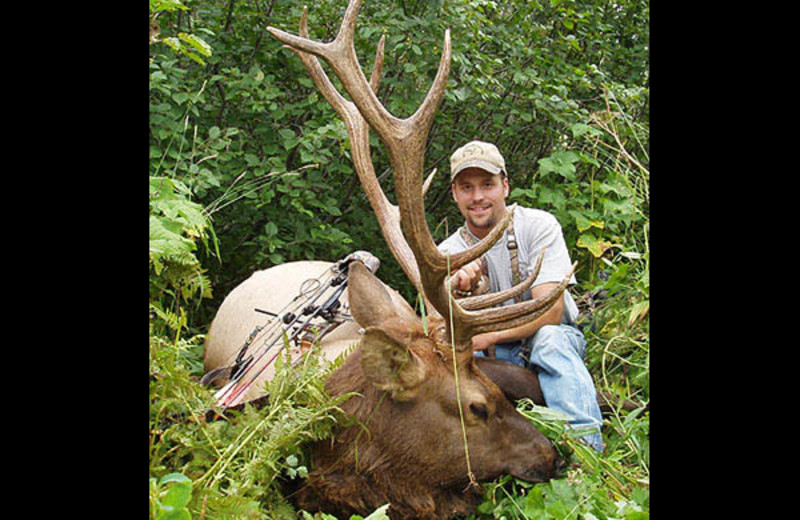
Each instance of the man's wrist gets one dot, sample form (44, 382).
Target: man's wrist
(490, 337)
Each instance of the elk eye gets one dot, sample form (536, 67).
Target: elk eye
(480, 410)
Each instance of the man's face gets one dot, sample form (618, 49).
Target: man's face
(481, 198)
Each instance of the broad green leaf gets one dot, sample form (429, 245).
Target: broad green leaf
(173, 43)
(178, 495)
(166, 5)
(588, 159)
(197, 43)
(563, 490)
(638, 311)
(558, 509)
(461, 93)
(195, 57)
(167, 242)
(534, 503)
(595, 245)
(562, 163)
(170, 513)
(555, 197)
(174, 477)
(579, 129)
(584, 223)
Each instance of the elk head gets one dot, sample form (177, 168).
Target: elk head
(425, 373)
(429, 384)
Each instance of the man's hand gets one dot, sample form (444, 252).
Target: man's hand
(483, 341)
(467, 278)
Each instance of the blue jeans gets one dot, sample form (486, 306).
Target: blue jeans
(556, 354)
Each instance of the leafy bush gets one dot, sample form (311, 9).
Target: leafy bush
(250, 127)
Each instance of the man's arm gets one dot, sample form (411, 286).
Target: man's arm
(551, 317)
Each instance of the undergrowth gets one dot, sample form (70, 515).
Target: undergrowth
(237, 464)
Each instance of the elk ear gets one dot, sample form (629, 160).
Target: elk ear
(371, 302)
(387, 361)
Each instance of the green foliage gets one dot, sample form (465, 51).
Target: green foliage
(578, 496)
(530, 76)
(169, 496)
(607, 486)
(185, 44)
(176, 274)
(234, 466)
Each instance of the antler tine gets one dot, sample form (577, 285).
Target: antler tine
(423, 117)
(321, 80)
(427, 183)
(513, 315)
(377, 66)
(341, 56)
(298, 43)
(483, 301)
(342, 106)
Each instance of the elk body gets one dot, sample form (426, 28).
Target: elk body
(269, 290)
(410, 452)
(433, 419)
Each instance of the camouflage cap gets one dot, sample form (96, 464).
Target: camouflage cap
(477, 154)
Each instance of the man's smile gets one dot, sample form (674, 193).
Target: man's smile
(479, 210)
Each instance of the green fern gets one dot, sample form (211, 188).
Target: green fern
(237, 465)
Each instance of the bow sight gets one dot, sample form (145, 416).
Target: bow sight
(302, 322)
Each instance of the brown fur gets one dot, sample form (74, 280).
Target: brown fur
(518, 383)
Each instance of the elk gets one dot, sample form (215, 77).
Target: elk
(431, 420)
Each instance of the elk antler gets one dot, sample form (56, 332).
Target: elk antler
(358, 132)
(406, 231)
(488, 300)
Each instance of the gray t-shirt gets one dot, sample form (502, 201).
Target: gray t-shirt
(534, 229)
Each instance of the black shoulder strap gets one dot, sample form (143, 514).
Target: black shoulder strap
(512, 253)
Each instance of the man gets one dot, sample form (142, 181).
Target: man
(552, 344)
